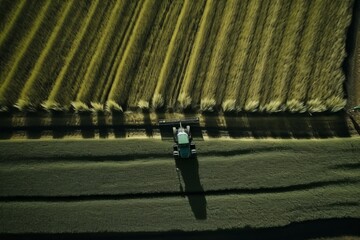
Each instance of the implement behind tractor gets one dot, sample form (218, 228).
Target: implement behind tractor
(183, 147)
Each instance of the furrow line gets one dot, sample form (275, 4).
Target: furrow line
(148, 195)
(10, 88)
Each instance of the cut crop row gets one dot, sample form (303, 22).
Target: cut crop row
(282, 55)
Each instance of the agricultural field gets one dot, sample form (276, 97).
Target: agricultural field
(98, 186)
(273, 86)
(233, 55)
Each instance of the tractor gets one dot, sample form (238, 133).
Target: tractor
(183, 148)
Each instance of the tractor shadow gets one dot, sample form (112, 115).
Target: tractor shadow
(189, 171)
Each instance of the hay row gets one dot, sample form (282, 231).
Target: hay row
(205, 55)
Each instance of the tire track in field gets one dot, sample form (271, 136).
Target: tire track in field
(10, 88)
(149, 195)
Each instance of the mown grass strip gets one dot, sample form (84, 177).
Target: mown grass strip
(329, 72)
(287, 52)
(124, 74)
(253, 58)
(190, 77)
(111, 55)
(215, 81)
(241, 54)
(28, 91)
(266, 46)
(120, 52)
(185, 52)
(164, 31)
(171, 55)
(177, 55)
(84, 55)
(5, 93)
(302, 78)
(203, 65)
(143, 83)
(153, 215)
(228, 101)
(56, 93)
(79, 58)
(272, 64)
(10, 21)
(84, 94)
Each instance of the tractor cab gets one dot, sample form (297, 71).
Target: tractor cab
(183, 148)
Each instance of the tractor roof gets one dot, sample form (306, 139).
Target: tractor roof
(183, 138)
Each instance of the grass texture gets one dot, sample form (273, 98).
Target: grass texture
(131, 185)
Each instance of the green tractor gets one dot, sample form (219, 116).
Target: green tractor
(183, 148)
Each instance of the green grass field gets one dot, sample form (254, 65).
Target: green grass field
(226, 55)
(132, 185)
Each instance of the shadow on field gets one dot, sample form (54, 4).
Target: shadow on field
(189, 170)
(147, 122)
(58, 121)
(86, 125)
(33, 123)
(118, 124)
(286, 125)
(211, 125)
(6, 131)
(101, 125)
(345, 228)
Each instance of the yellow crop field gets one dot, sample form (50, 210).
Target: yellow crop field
(205, 55)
